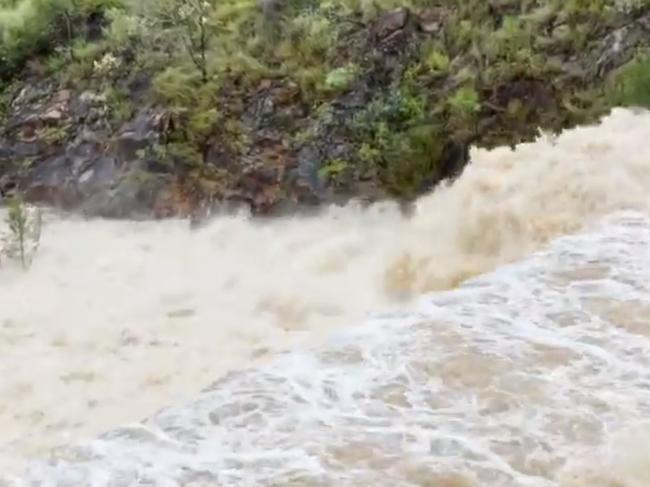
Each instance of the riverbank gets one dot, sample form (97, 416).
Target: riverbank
(127, 113)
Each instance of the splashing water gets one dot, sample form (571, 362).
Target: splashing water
(510, 379)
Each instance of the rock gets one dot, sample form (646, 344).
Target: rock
(310, 160)
(23, 126)
(354, 99)
(97, 175)
(259, 187)
(391, 22)
(137, 135)
(619, 46)
(431, 27)
(93, 98)
(132, 195)
(63, 96)
(52, 182)
(24, 149)
(53, 116)
(128, 144)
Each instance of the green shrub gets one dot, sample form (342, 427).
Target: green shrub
(176, 86)
(32, 27)
(412, 159)
(23, 239)
(464, 103)
(437, 61)
(333, 168)
(632, 83)
(340, 79)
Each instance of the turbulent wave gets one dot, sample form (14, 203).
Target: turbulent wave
(515, 378)
(507, 380)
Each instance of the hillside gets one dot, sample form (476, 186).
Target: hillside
(126, 108)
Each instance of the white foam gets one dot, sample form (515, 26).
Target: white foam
(499, 383)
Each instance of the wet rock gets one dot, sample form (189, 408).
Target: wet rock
(454, 159)
(52, 182)
(259, 187)
(310, 160)
(128, 197)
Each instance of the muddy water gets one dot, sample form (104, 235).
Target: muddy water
(525, 376)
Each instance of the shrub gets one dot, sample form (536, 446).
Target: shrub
(340, 79)
(464, 103)
(190, 22)
(632, 83)
(32, 27)
(412, 160)
(23, 239)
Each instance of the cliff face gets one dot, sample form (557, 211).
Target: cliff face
(280, 106)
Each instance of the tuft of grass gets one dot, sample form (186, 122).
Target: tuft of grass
(464, 102)
(333, 169)
(340, 79)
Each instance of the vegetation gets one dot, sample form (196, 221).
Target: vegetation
(632, 83)
(34, 27)
(23, 238)
(477, 71)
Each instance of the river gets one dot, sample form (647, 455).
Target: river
(499, 336)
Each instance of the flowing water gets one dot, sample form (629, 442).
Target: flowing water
(535, 371)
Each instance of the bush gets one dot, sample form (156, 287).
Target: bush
(23, 239)
(340, 79)
(632, 83)
(412, 160)
(33, 27)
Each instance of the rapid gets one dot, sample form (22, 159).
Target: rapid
(499, 335)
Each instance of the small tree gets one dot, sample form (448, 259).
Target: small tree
(190, 19)
(24, 232)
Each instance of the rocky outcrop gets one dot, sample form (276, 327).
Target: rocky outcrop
(64, 147)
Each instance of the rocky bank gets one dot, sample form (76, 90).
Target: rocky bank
(404, 95)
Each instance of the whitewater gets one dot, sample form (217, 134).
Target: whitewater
(499, 335)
